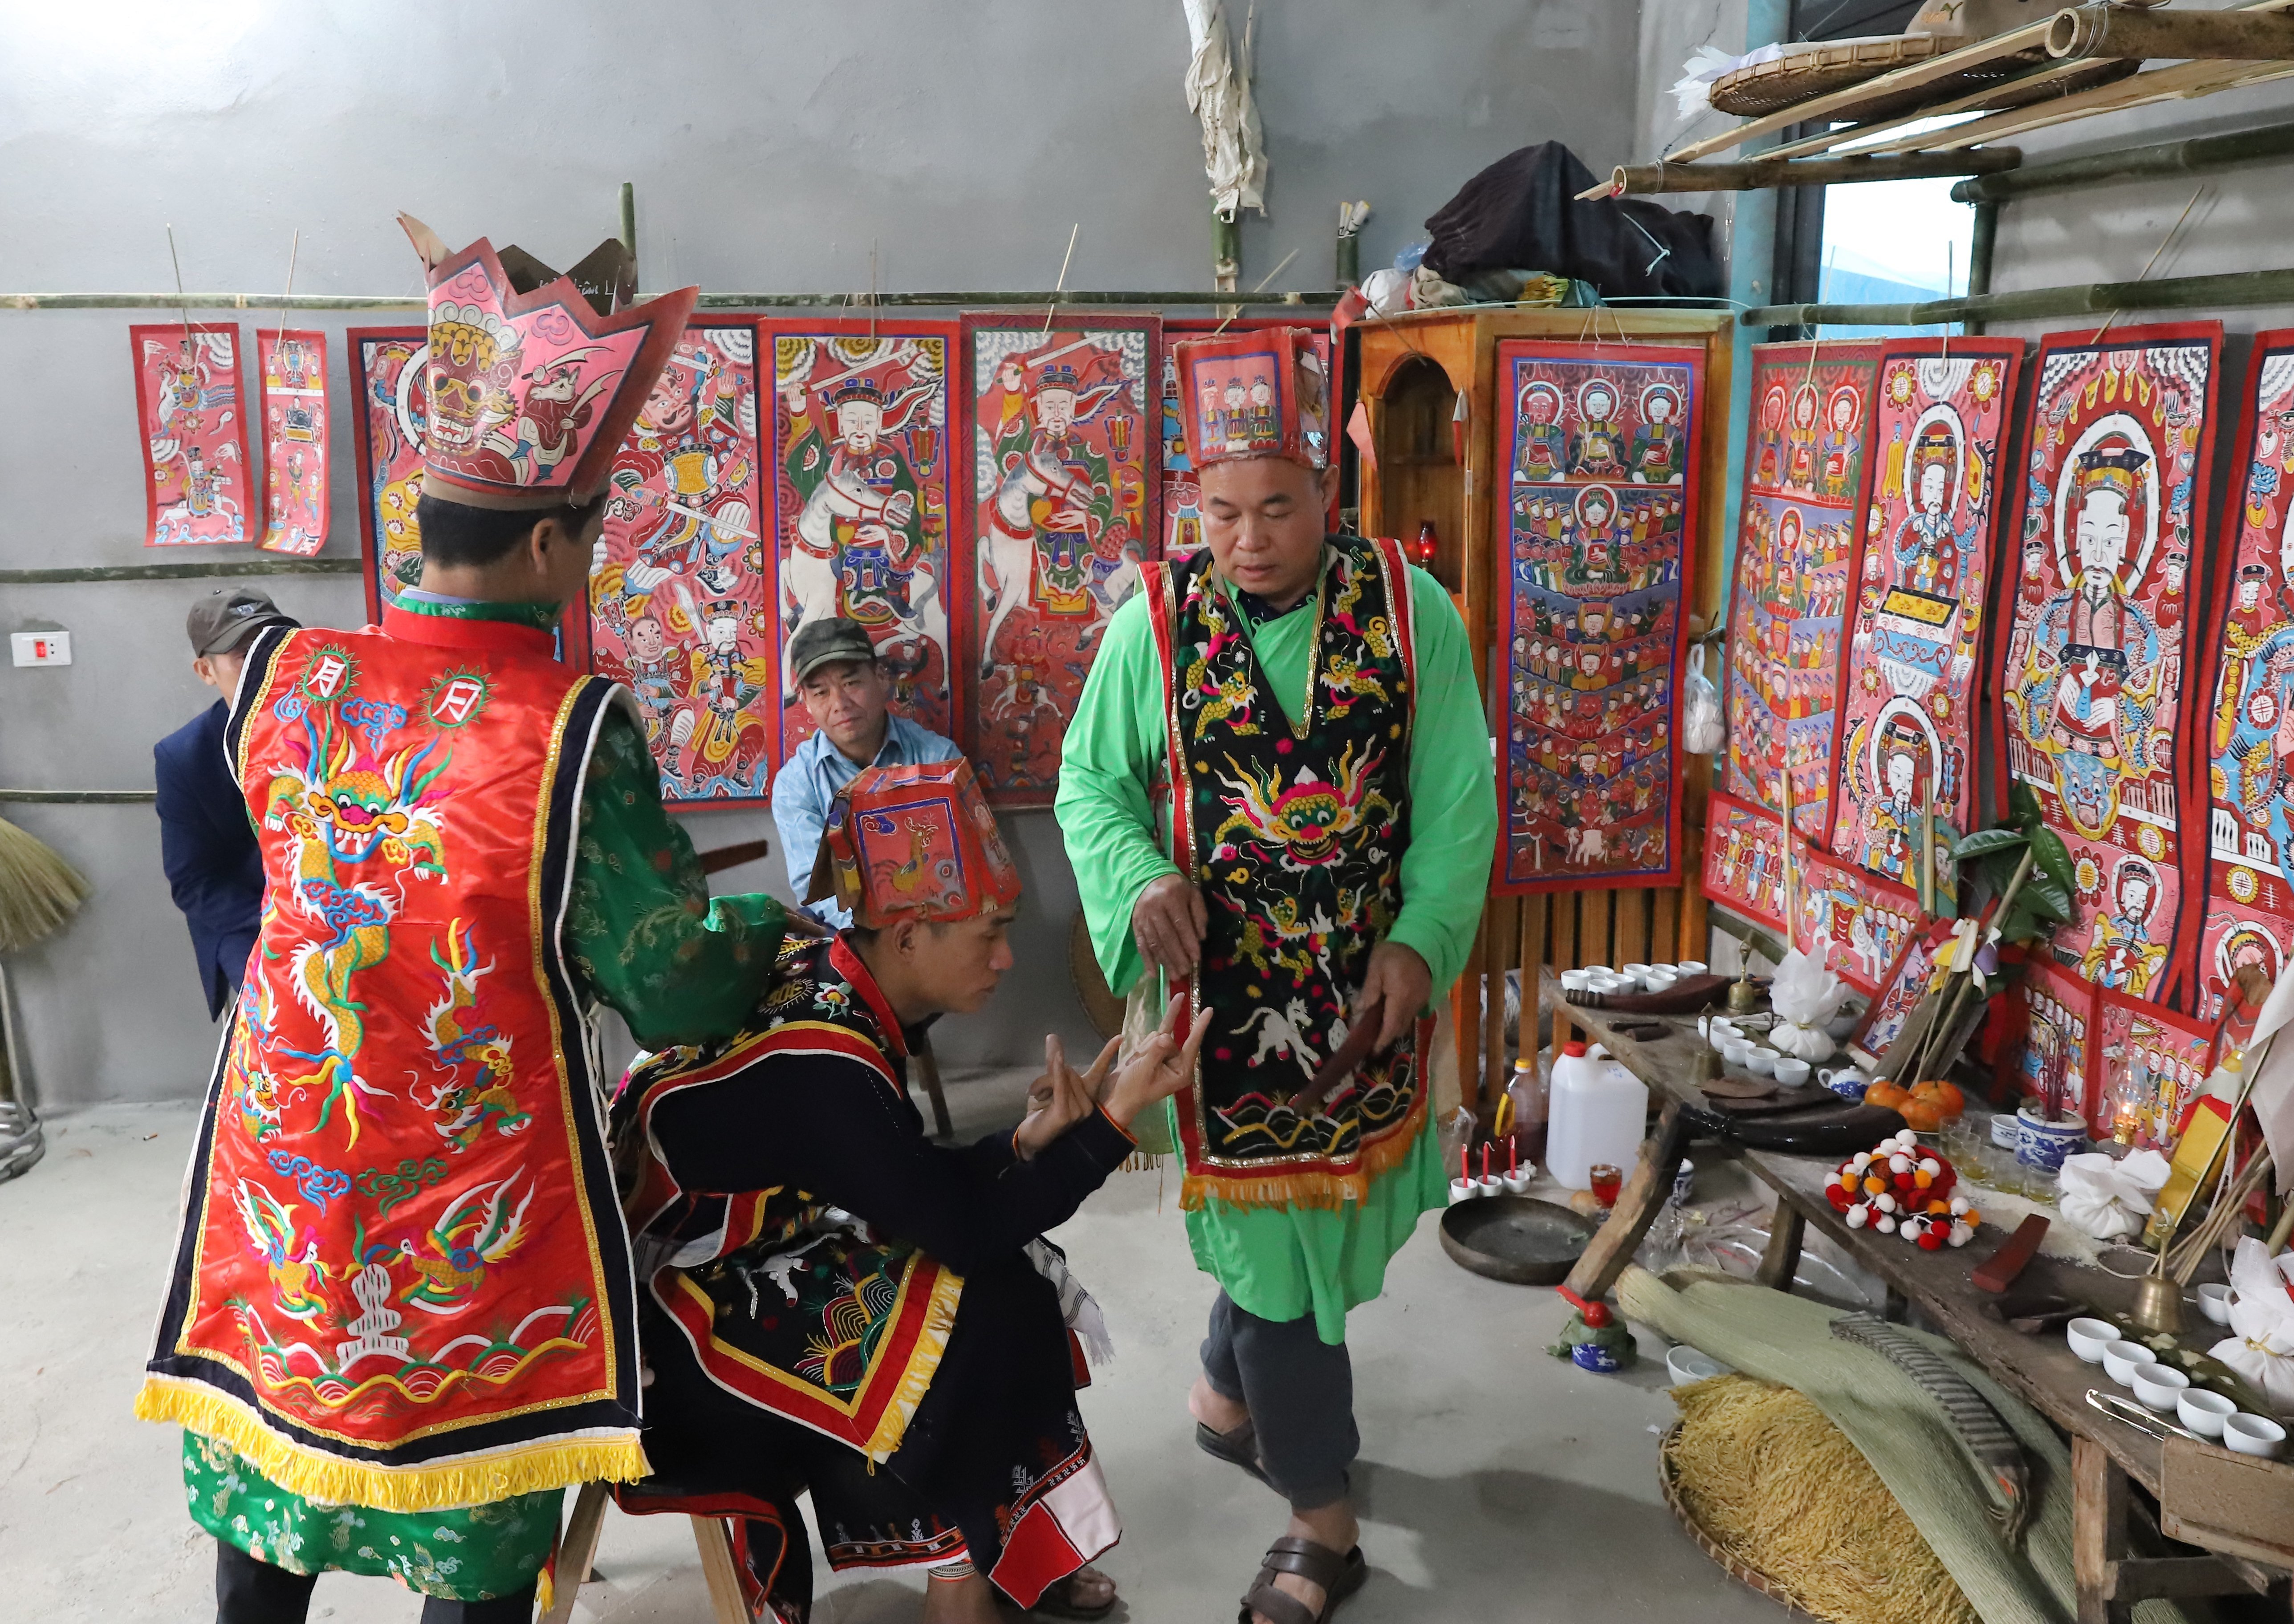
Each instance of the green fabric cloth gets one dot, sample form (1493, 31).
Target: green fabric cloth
(1283, 1262)
(645, 937)
(471, 1554)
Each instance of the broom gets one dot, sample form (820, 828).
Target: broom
(38, 892)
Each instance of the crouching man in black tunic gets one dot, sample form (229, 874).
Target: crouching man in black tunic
(836, 1303)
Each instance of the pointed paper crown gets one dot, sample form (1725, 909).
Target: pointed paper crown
(1057, 375)
(1297, 425)
(534, 379)
(912, 842)
(2114, 463)
(1935, 445)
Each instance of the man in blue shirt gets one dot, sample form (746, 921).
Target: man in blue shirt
(847, 692)
(206, 843)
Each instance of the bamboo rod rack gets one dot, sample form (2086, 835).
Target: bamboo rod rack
(2033, 303)
(707, 301)
(203, 570)
(1646, 179)
(2194, 155)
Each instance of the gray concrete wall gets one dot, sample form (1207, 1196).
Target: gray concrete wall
(770, 144)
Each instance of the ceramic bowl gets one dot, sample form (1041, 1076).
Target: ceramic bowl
(2120, 1357)
(1720, 1026)
(1659, 980)
(2090, 1337)
(1519, 1182)
(1462, 1190)
(2159, 1387)
(1576, 981)
(2253, 1435)
(2203, 1412)
(1791, 1070)
(2214, 1302)
(1633, 972)
(1688, 1364)
(1760, 1062)
(1692, 967)
(1734, 1049)
(1600, 970)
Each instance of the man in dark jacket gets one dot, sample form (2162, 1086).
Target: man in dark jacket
(206, 843)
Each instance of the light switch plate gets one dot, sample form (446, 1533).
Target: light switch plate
(40, 647)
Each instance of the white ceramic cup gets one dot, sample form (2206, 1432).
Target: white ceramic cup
(2120, 1357)
(1492, 1184)
(2204, 1412)
(2160, 1386)
(1600, 970)
(2214, 1302)
(2253, 1435)
(2090, 1337)
(1657, 981)
(1634, 972)
(1760, 1062)
(1723, 1026)
(1461, 1189)
(1791, 1070)
(1692, 967)
(1734, 1049)
(1576, 981)
(1517, 1183)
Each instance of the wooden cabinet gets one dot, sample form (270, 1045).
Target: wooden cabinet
(1413, 369)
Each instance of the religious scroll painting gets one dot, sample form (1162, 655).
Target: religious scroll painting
(198, 484)
(1796, 552)
(2149, 1063)
(1854, 923)
(864, 444)
(295, 499)
(1902, 984)
(681, 607)
(1907, 731)
(1601, 448)
(1065, 509)
(2249, 726)
(2059, 1011)
(1744, 860)
(392, 412)
(2095, 698)
(1183, 527)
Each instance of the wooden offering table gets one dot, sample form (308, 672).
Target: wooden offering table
(2118, 1552)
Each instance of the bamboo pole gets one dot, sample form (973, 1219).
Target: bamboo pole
(1645, 180)
(1188, 298)
(2185, 81)
(2241, 288)
(2195, 156)
(2137, 33)
(1849, 135)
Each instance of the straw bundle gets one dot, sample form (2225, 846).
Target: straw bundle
(1779, 1488)
(39, 889)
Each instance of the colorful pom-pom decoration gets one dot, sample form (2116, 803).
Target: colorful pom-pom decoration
(1896, 1187)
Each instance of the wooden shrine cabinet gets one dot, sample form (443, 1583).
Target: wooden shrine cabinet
(1412, 369)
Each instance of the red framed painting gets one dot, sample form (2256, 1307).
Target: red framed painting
(680, 607)
(1797, 556)
(189, 409)
(1182, 496)
(867, 436)
(1601, 496)
(1901, 986)
(1856, 922)
(392, 411)
(1906, 728)
(1064, 507)
(2249, 738)
(1743, 859)
(2166, 1055)
(2056, 1009)
(293, 367)
(2096, 704)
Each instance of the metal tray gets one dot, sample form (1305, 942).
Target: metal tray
(1515, 1238)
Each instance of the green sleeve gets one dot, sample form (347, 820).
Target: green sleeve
(1453, 801)
(1112, 754)
(641, 931)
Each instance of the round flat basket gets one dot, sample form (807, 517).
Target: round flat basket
(1819, 69)
(1516, 1239)
(1101, 1007)
(1742, 1571)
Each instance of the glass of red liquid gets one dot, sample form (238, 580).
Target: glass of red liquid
(1606, 1179)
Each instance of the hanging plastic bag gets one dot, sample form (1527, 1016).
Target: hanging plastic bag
(1700, 729)
(2108, 1199)
(2261, 1317)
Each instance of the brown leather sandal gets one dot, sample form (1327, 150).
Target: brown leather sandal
(1318, 1565)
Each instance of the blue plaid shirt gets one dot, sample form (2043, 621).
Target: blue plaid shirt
(807, 783)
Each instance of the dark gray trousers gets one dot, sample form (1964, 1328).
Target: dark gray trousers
(1300, 1392)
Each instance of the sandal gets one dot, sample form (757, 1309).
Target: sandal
(1239, 1447)
(1058, 1602)
(1318, 1565)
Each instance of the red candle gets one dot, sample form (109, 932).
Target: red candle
(1465, 1167)
(1513, 1157)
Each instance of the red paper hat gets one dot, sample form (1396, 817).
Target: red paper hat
(915, 842)
(534, 379)
(1254, 394)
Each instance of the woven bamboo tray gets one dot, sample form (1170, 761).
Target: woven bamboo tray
(1819, 68)
(1742, 1571)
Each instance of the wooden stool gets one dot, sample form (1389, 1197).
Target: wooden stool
(579, 1548)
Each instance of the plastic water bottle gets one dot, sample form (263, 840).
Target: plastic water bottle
(1598, 1110)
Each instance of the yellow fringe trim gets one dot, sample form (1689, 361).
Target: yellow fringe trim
(330, 1479)
(924, 1363)
(1306, 1187)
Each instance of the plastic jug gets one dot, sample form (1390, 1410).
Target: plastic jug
(1598, 1110)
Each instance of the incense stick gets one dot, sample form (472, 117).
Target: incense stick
(1060, 286)
(294, 249)
(182, 308)
(1263, 280)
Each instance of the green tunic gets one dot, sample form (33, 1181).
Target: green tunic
(644, 936)
(1283, 1262)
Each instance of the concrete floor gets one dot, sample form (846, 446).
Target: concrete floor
(1497, 1483)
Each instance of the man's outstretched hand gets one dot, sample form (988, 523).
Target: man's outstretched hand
(1163, 1066)
(1168, 920)
(1061, 1096)
(1399, 981)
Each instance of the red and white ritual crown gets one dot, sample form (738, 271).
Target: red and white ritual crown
(534, 379)
(914, 842)
(1259, 393)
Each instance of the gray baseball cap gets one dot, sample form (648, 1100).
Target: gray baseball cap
(828, 642)
(229, 616)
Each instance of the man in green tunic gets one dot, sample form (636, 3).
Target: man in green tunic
(1308, 705)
